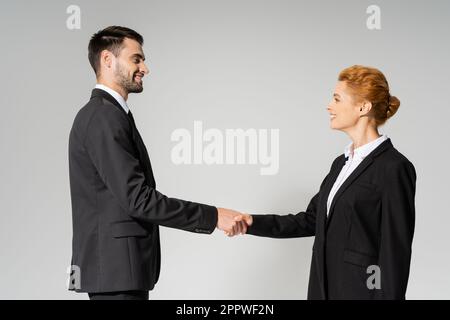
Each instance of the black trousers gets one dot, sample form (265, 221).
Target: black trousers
(119, 295)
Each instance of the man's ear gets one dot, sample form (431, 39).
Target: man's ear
(106, 58)
(365, 108)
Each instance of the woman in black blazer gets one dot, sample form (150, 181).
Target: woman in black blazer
(363, 215)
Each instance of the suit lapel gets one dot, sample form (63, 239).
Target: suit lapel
(368, 160)
(321, 222)
(322, 214)
(355, 174)
(143, 154)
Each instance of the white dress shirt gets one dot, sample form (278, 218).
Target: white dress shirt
(354, 158)
(116, 96)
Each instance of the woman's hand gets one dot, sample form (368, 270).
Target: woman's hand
(243, 221)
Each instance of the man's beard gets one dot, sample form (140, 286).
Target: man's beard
(125, 82)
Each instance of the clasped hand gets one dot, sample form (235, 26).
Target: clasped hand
(232, 222)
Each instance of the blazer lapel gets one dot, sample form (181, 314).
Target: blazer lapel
(321, 223)
(139, 143)
(355, 174)
(322, 212)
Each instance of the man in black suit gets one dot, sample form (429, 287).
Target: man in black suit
(116, 209)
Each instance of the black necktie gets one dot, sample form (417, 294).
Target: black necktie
(134, 130)
(130, 116)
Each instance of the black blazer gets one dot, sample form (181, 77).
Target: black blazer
(116, 208)
(371, 222)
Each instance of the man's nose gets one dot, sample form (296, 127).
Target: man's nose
(145, 69)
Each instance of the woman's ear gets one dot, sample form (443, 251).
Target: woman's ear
(365, 108)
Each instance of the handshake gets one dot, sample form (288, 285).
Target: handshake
(233, 222)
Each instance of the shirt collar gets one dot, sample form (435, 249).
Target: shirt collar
(115, 95)
(365, 149)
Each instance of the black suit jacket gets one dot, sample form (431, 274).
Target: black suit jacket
(371, 222)
(116, 208)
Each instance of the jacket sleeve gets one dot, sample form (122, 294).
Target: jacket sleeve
(110, 146)
(397, 229)
(302, 224)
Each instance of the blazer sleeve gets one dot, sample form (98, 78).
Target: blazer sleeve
(397, 229)
(302, 224)
(109, 144)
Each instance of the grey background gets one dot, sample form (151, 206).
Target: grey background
(230, 64)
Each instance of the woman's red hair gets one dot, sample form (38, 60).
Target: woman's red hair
(370, 84)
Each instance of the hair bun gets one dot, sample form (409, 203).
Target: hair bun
(393, 106)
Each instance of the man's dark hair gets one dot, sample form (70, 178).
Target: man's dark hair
(111, 39)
